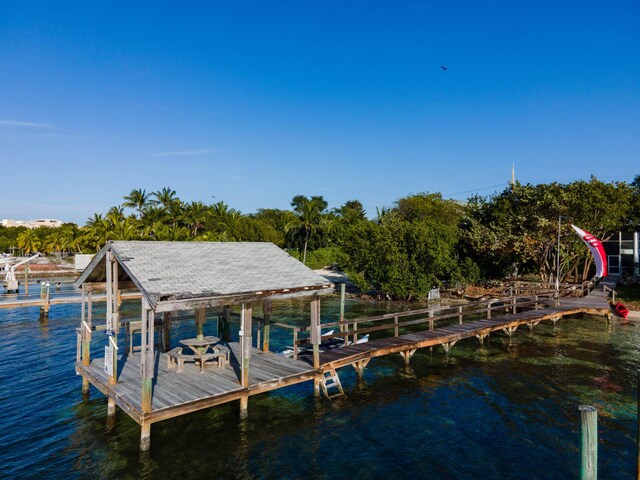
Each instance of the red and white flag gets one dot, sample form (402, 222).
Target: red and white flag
(597, 250)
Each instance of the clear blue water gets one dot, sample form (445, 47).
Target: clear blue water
(508, 410)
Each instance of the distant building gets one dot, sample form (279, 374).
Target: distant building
(40, 222)
(623, 255)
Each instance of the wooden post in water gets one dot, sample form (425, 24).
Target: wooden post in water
(460, 315)
(588, 442)
(26, 279)
(46, 292)
(489, 306)
(266, 310)
(245, 354)
(200, 317)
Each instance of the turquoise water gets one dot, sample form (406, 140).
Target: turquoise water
(506, 410)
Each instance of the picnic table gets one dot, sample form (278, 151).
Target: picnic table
(204, 349)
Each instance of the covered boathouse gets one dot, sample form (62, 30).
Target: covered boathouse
(152, 385)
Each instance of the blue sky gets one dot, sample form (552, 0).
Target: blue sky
(255, 102)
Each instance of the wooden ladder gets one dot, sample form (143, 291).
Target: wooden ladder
(329, 380)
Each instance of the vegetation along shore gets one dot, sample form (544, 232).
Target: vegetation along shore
(398, 252)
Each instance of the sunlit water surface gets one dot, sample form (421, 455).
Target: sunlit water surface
(505, 410)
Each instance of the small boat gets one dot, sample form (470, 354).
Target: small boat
(621, 310)
(325, 345)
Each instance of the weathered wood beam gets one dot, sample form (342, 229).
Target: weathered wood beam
(266, 313)
(219, 301)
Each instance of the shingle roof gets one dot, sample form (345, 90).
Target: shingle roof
(191, 270)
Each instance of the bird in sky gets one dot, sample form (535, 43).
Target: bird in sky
(443, 67)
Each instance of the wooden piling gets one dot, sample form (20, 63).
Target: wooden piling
(145, 436)
(245, 342)
(147, 355)
(266, 311)
(26, 279)
(315, 330)
(343, 288)
(244, 407)
(44, 310)
(588, 442)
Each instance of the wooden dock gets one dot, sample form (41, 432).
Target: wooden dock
(176, 393)
(60, 300)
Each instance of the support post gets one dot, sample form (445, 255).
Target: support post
(343, 288)
(481, 337)
(395, 328)
(489, 306)
(245, 343)
(359, 367)
(226, 323)
(315, 330)
(85, 329)
(266, 310)
(406, 356)
(588, 442)
(200, 317)
(166, 321)
(147, 355)
(26, 279)
(145, 436)
(44, 310)
(316, 387)
(460, 315)
(244, 407)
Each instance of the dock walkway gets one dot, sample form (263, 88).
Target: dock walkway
(176, 393)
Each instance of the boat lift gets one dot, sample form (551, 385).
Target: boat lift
(11, 282)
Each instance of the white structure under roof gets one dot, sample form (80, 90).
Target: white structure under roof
(40, 222)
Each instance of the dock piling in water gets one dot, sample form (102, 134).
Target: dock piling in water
(588, 442)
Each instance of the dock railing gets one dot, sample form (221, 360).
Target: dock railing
(351, 330)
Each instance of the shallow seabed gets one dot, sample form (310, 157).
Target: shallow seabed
(505, 410)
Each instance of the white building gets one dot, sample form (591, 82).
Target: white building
(40, 222)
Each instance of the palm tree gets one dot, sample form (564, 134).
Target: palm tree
(164, 197)
(98, 231)
(28, 241)
(308, 218)
(196, 216)
(137, 199)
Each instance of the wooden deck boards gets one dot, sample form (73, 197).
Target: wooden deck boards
(173, 389)
(176, 393)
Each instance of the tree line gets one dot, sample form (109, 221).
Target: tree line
(401, 252)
